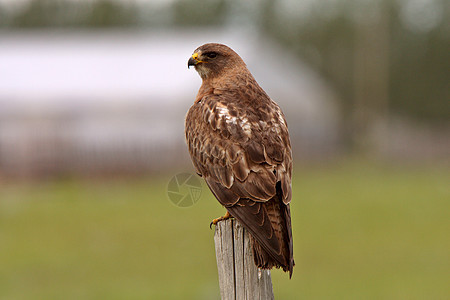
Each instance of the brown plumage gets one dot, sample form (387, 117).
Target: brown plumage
(239, 143)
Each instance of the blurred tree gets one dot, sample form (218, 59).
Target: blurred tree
(199, 12)
(37, 13)
(107, 13)
(377, 66)
(61, 13)
(420, 72)
(371, 67)
(3, 16)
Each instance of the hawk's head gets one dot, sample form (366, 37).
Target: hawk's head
(211, 60)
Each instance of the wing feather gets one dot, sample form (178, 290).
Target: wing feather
(222, 151)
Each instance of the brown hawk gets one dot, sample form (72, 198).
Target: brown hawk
(239, 143)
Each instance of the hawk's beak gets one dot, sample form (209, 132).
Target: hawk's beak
(193, 60)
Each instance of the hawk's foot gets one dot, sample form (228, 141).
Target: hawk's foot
(215, 221)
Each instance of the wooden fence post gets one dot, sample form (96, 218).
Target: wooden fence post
(239, 278)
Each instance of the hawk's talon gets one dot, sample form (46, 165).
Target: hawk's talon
(215, 221)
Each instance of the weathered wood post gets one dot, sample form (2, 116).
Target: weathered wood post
(239, 278)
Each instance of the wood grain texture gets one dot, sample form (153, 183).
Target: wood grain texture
(239, 278)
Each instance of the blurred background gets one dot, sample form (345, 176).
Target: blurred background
(93, 96)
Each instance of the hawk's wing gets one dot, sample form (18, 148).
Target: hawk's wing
(244, 154)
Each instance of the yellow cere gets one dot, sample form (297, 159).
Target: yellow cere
(195, 55)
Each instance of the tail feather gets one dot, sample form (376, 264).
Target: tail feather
(269, 225)
(285, 259)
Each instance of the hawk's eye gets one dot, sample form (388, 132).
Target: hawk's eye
(211, 55)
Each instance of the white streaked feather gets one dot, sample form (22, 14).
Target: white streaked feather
(280, 117)
(223, 111)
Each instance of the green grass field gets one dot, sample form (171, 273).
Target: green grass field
(361, 231)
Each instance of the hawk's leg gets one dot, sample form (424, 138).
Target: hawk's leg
(225, 217)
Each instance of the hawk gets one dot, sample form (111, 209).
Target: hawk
(239, 143)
